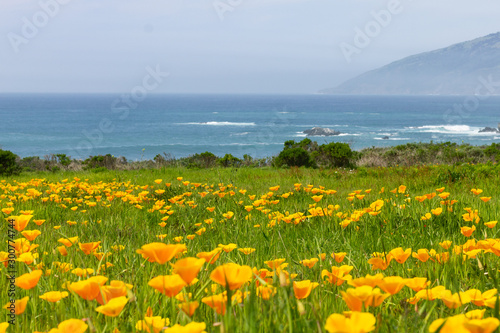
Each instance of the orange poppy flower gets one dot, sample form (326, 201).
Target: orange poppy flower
(302, 289)
(88, 289)
(246, 250)
(27, 258)
(8, 210)
(160, 252)
(3, 327)
(62, 250)
(157, 324)
(210, 257)
(228, 248)
(274, 264)
(188, 268)
(68, 242)
(437, 211)
(19, 305)
(20, 222)
(368, 296)
(39, 222)
(482, 325)
(88, 248)
(170, 285)
(491, 224)
(82, 271)
(71, 326)
(317, 198)
(399, 254)
(266, 292)
(456, 300)
(309, 262)
(54, 296)
(114, 307)
(430, 294)
(445, 244)
(471, 215)
(192, 327)
(368, 280)
(31, 235)
(114, 290)
(217, 302)
(232, 274)
(379, 263)
(421, 254)
(467, 231)
(29, 280)
(392, 284)
(339, 256)
(4, 258)
(417, 283)
(338, 275)
(356, 322)
(479, 298)
(189, 307)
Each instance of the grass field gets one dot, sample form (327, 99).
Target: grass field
(297, 250)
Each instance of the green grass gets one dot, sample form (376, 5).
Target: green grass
(123, 224)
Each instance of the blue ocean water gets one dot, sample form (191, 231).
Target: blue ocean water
(257, 125)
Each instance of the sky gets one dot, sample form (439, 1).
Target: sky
(221, 46)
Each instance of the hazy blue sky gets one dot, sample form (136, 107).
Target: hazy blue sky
(219, 46)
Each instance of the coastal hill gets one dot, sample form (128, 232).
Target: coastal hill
(455, 70)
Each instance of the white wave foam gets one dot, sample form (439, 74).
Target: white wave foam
(219, 123)
(393, 139)
(448, 129)
(238, 134)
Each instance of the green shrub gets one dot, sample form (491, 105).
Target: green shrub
(107, 161)
(32, 163)
(8, 163)
(63, 159)
(335, 154)
(493, 151)
(229, 161)
(201, 161)
(294, 157)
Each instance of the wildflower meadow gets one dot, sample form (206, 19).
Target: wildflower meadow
(403, 249)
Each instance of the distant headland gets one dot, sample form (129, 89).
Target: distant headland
(468, 68)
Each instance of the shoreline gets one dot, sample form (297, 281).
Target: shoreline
(410, 154)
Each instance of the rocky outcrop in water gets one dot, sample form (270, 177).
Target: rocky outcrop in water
(320, 131)
(489, 130)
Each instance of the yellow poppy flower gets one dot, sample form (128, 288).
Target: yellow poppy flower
(54, 296)
(231, 274)
(114, 307)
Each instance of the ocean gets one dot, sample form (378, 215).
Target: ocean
(83, 125)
